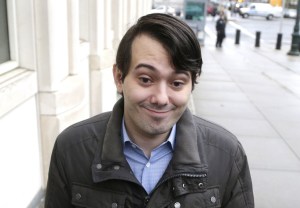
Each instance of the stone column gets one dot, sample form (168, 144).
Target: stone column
(73, 35)
(61, 96)
(101, 57)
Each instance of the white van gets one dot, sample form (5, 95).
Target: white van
(261, 9)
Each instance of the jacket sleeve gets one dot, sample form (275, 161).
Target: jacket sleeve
(239, 190)
(57, 195)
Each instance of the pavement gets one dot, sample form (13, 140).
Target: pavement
(255, 94)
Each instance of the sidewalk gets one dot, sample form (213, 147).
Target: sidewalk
(255, 93)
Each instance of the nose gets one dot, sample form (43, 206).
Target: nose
(160, 95)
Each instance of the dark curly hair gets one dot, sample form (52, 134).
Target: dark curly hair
(176, 37)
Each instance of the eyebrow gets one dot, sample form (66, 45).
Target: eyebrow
(152, 68)
(142, 65)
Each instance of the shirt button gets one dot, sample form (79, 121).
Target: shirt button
(177, 205)
(78, 196)
(213, 199)
(148, 165)
(98, 166)
(114, 205)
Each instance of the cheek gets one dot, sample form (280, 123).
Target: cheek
(134, 93)
(181, 99)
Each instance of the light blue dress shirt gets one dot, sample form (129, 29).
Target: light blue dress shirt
(148, 171)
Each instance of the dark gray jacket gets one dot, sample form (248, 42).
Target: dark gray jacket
(88, 169)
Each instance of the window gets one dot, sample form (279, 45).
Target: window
(195, 11)
(4, 37)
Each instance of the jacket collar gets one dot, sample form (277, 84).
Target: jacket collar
(110, 155)
(186, 148)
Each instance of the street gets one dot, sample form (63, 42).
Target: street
(255, 93)
(269, 29)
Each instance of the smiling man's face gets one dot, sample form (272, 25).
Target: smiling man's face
(155, 95)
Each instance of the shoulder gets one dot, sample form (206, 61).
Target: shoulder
(216, 136)
(90, 129)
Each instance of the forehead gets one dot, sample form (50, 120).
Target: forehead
(149, 53)
(145, 42)
(146, 48)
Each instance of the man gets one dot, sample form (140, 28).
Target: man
(150, 151)
(220, 28)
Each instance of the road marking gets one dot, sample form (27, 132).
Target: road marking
(210, 32)
(243, 30)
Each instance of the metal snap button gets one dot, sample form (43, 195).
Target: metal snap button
(177, 205)
(114, 205)
(98, 166)
(147, 199)
(200, 185)
(213, 199)
(183, 185)
(78, 196)
(116, 167)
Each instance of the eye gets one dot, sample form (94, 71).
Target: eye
(145, 80)
(178, 84)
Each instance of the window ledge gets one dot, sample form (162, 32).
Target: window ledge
(16, 86)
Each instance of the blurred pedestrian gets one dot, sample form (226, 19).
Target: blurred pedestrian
(220, 28)
(150, 150)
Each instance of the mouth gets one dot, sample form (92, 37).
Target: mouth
(158, 112)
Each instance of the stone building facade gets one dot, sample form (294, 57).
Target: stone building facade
(54, 71)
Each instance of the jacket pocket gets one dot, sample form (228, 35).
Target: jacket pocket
(88, 197)
(210, 198)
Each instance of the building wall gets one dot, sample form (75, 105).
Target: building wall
(62, 54)
(275, 2)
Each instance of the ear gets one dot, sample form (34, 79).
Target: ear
(118, 78)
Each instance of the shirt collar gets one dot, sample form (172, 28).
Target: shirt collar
(171, 138)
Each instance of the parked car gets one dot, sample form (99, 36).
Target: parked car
(261, 9)
(238, 6)
(290, 13)
(212, 9)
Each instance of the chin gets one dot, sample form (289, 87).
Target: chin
(159, 129)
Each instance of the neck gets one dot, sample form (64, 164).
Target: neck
(146, 137)
(148, 144)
